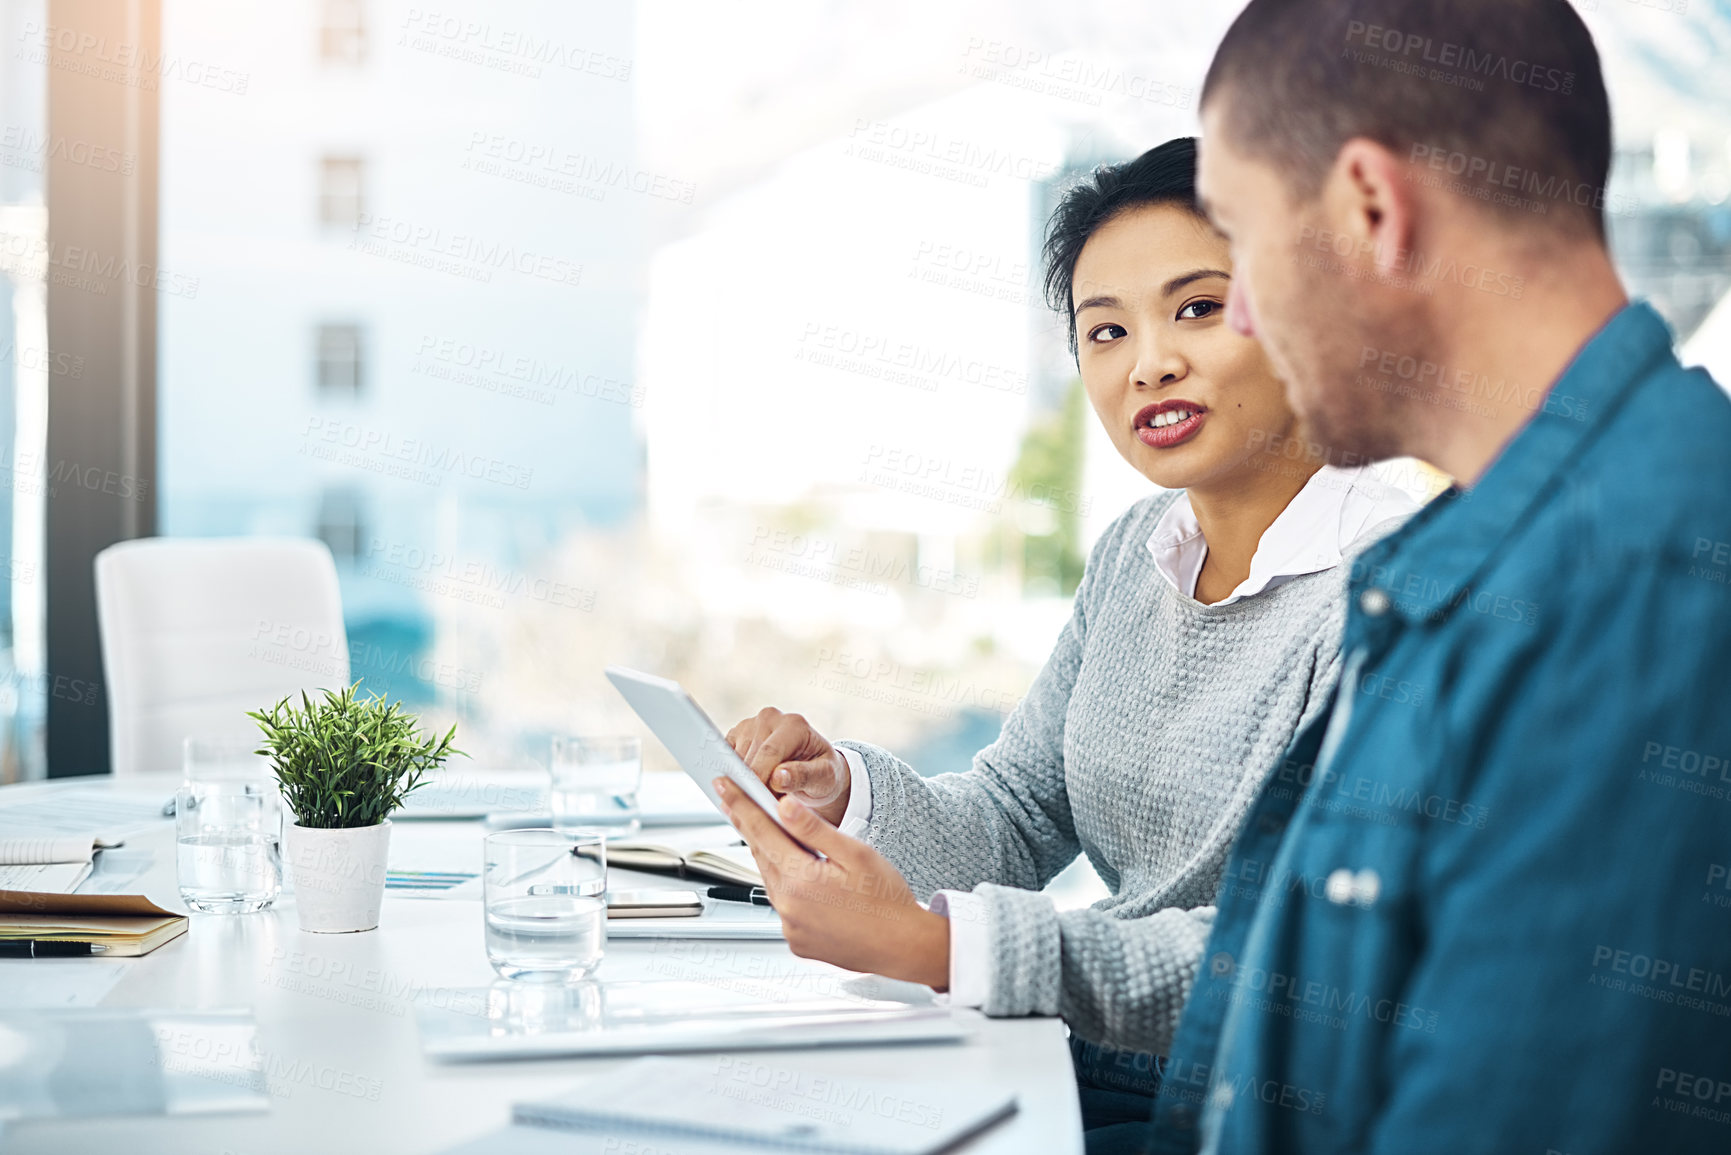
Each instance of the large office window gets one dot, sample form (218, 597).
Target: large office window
(27, 372)
(460, 286)
(702, 338)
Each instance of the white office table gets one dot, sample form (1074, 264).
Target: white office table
(336, 1023)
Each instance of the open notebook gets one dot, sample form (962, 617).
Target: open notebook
(126, 924)
(45, 863)
(713, 852)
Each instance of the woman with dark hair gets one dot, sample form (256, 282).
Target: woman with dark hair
(1205, 632)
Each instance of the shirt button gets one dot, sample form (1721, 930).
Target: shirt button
(1268, 824)
(1221, 964)
(1374, 602)
(1340, 887)
(1366, 887)
(1183, 1116)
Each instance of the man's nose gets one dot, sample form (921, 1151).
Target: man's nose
(1238, 313)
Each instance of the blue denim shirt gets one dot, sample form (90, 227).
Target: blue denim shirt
(1484, 904)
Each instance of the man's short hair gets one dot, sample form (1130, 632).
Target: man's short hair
(1499, 100)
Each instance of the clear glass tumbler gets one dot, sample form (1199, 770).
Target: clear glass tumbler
(594, 784)
(228, 844)
(545, 894)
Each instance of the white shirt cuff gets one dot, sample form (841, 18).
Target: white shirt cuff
(970, 948)
(858, 814)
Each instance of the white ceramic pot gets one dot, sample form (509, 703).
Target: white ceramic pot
(339, 876)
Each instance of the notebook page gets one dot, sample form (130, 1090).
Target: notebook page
(44, 878)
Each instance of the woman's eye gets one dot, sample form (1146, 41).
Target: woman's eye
(1208, 309)
(1106, 333)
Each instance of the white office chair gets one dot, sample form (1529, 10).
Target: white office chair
(196, 632)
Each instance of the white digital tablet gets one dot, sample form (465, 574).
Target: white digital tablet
(693, 739)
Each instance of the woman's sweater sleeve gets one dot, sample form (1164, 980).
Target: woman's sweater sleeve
(1121, 982)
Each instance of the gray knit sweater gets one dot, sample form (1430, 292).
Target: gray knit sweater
(1141, 744)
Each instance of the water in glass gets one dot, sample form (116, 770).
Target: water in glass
(545, 903)
(556, 937)
(228, 845)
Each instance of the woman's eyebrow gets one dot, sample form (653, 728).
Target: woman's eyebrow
(1106, 302)
(1190, 278)
(1166, 290)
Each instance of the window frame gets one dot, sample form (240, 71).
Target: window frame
(101, 437)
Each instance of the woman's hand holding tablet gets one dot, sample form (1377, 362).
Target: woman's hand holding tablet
(851, 907)
(682, 726)
(790, 757)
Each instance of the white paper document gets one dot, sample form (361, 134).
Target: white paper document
(104, 815)
(770, 1101)
(663, 799)
(459, 884)
(44, 877)
(523, 1139)
(41, 983)
(117, 871)
(507, 1020)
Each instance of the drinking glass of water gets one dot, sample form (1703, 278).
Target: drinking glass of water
(545, 894)
(595, 784)
(228, 844)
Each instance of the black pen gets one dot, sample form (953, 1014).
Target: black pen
(752, 894)
(47, 948)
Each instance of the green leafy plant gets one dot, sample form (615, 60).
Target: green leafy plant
(347, 761)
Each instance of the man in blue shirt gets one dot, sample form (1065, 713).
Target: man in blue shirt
(1484, 905)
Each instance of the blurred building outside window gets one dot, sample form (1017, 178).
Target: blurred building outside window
(341, 523)
(342, 181)
(341, 360)
(343, 32)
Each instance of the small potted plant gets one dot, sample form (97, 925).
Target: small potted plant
(344, 764)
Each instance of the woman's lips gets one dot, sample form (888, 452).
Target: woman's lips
(1165, 436)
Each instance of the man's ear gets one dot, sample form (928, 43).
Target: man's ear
(1367, 198)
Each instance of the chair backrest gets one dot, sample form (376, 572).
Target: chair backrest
(197, 631)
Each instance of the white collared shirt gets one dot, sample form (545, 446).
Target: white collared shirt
(1319, 525)
(1336, 509)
